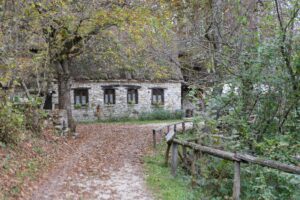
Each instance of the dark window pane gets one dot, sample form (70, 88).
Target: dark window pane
(109, 96)
(132, 96)
(157, 96)
(81, 97)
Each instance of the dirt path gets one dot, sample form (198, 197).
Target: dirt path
(106, 165)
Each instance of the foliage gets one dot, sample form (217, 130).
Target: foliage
(248, 55)
(33, 114)
(163, 184)
(11, 123)
(257, 182)
(132, 121)
(215, 175)
(16, 117)
(160, 114)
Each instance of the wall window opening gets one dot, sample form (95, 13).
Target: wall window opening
(132, 96)
(109, 96)
(81, 97)
(158, 96)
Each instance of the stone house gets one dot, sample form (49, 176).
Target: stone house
(102, 91)
(92, 100)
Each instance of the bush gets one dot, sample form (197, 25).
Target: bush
(11, 123)
(33, 114)
(257, 182)
(161, 114)
(16, 118)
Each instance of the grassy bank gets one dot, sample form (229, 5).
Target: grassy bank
(153, 117)
(161, 182)
(133, 121)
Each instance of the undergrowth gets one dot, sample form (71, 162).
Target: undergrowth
(163, 184)
(215, 178)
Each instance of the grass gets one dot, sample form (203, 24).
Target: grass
(163, 184)
(155, 116)
(132, 121)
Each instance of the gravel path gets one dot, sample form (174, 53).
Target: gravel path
(105, 165)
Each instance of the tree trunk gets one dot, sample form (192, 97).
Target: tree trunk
(64, 93)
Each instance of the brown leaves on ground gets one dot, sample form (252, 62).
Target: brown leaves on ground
(22, 165)
(104, 162)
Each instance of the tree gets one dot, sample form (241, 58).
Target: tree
(249, 49)
(66, 26)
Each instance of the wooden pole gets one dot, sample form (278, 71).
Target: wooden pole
(154, 138)
(167, 154)
(183, 126)
(241, 157)
(175, 128)
(269, 163)
(237, 181)
(174, 162)
(193, 169)
(205, 149)
(184, 155)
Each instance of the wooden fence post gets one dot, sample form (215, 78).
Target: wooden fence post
(167, 154)
(237, 181)
(193, 168)
(183, 126)
(175, 128)
(184, 155)
(174, 162)
(154, 138)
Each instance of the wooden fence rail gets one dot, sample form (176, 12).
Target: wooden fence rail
(198, 149)
(240, 157)
(167, 129)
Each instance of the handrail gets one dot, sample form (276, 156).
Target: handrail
(240, 157)
(237, 158)
(168, 126)
(172, 124)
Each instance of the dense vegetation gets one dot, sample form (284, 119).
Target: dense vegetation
(240, 60)
(252, 53)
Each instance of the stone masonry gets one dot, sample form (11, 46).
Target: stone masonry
(97, 109)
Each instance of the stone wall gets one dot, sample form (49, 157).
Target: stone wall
(60, 121)
(172, 99)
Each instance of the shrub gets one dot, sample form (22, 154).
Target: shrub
(16, 118)
(257, 182)
(161, 114)
(32, 113)
(11, 123)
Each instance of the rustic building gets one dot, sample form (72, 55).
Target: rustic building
(115, 92)
(92, 100)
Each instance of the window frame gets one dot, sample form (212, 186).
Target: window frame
(109, 91)
(130, 97)
(155, 93)
(81, 92)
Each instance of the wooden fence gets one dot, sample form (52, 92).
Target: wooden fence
(170, 128)
(198, 150)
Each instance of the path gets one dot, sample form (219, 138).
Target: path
(106, 165)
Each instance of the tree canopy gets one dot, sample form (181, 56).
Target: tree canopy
(240, 59)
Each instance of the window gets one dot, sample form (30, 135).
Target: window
(81, 97)
(132, 96)
(158, 96)
(109, 96)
